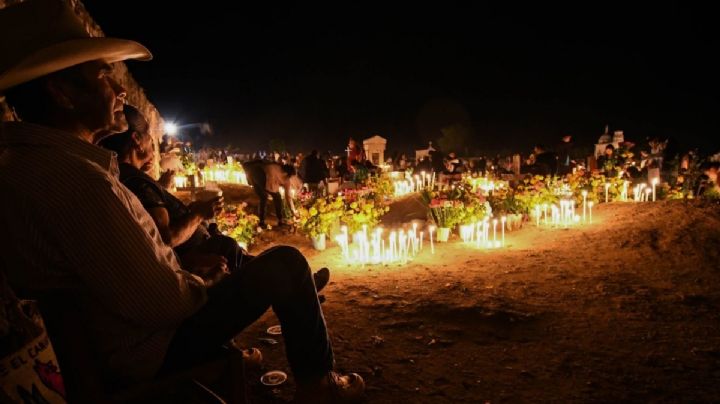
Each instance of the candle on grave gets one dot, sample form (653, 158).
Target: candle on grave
(584, 195)
(432, 246)
(590, 205)
(495, 231)
(504, 219)
(607, 187)
(537, 215)
(545, 208)
(654, 184)
(625, 189)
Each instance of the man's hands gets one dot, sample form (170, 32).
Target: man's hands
(211, 268)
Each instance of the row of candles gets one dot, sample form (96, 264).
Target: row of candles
(225, 175)
(401, 246)
(478, 233)
(416, 183)
(219, 174)
(641, 192)
(562, 215)
(371, 247)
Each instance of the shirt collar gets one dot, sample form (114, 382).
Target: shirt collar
(13, 134)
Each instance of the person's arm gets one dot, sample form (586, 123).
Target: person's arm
(122, 262)
(183, 228)
(174, 234)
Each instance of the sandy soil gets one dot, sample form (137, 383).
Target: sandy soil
(623, 310)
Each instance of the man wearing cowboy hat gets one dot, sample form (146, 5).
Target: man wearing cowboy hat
(75, 227)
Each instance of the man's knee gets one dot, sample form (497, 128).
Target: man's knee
(293, 262)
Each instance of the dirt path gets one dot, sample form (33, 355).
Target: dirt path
(624, 310)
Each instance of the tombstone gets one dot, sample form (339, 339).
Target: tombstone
(592, 163)
(375, 149)
(516, 163)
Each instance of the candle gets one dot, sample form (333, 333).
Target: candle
(654, 184)
(624, 192)
(584, 195)
(607, 187)
(495, 230)
(545, 208)
(537, 215)
(590, 205)
(504, 219)
(432, 246)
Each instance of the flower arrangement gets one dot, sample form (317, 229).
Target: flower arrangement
(443, 210)
(382, 188)
(238, 224)
(319, 217)
(537, 191)
(363, 212)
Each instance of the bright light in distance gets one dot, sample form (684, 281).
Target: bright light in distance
(171, 128)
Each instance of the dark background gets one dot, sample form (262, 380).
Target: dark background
(313, 75)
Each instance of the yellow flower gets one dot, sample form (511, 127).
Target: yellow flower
(313, 211)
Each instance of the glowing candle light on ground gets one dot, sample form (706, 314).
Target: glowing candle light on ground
(537, 215)
(495, 230)
(590, 206)
(584, 195)
(607, 187)
(625, 190)
(654, 184)
(180, 182)
(432, 246)
(504, 219)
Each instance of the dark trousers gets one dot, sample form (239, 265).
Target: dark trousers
(277, 201)
(279, 278)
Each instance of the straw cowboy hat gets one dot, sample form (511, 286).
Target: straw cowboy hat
(39, 37)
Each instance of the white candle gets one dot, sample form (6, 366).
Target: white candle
(584, 195)
(654, 184)
(607, 187)
(494, 230)
(537, 215)
(625, 189)
(590, 205)
(504, 219)
(432, 246)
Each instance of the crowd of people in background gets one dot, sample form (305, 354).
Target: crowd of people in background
(317, 168)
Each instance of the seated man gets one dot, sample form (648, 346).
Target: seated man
(77, 229)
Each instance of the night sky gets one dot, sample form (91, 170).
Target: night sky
(313, 75)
